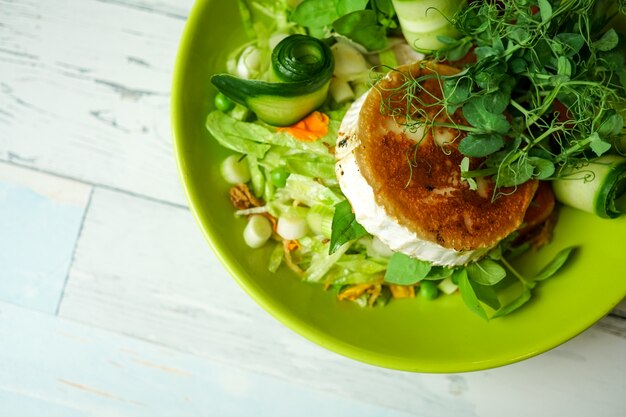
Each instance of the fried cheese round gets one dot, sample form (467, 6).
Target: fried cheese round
(414, 168)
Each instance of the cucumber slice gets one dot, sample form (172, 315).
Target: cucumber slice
(598, 187)
(423, 21)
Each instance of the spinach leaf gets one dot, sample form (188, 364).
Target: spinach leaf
(348, 6)
(439, 272)
(315, 13)
(362, 27)
(345, 228)
(519, 301)
(486, 294)
(469, 295)
(486, 272)
(404, 270)
(554, 265)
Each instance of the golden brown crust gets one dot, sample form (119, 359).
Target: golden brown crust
(428, 196)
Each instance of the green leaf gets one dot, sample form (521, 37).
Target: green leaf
(554, 265)
(486, 294)
(515, 174)
(362, 27)
(315, 13)
(456, 90)
(478, 146)
(564, 66)
(515, 304)
(614, 60)
(465, 167)
(345, 228)
(597, 145)
(458, 51)
(482, 118)
(497, 101)
(348, 6)
(483, 52)
(519, 35)
(469, 295)
(384, 6)
(572, 43)
(404, 270)
(544, 168)
(518, 65)
(545, 10)
(439, 272)
(486, 272)
(612, 125)
(608, 41)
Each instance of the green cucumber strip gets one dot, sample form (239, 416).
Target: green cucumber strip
(285, 110)
(423, 21)
(598, 188)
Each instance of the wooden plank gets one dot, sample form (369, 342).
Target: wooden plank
(152, 277)
(88, 98)
(57, 368)
(40, 219)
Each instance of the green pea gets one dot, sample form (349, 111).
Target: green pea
(278, 177)
(429, 290)
(223, 103)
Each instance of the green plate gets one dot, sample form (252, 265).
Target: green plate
(413, 335)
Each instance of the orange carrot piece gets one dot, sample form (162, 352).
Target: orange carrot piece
(309, 129)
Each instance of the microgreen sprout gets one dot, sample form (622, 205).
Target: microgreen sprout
(546, 91)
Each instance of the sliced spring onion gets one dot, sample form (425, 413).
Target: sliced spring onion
(423, 21)
(320, 220)
(341, 91)
(257, 231)
(291, 227)
(235, 169)
(598, 187)
(249, 64)
(350, 64)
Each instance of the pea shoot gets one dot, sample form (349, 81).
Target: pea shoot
(546, 92)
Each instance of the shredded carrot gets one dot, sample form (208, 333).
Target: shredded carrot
(354, 291)
(374, 293)
(293, 245)
(402, 291)
(288, 261)
(309, 129)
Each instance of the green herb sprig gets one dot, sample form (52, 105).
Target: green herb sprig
(547, 90)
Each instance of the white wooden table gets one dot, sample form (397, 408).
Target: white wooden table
(111, 303)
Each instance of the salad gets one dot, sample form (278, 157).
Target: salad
(529, 97)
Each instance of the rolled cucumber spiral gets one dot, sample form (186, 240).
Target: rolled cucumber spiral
(599, 187)
(302, 67)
